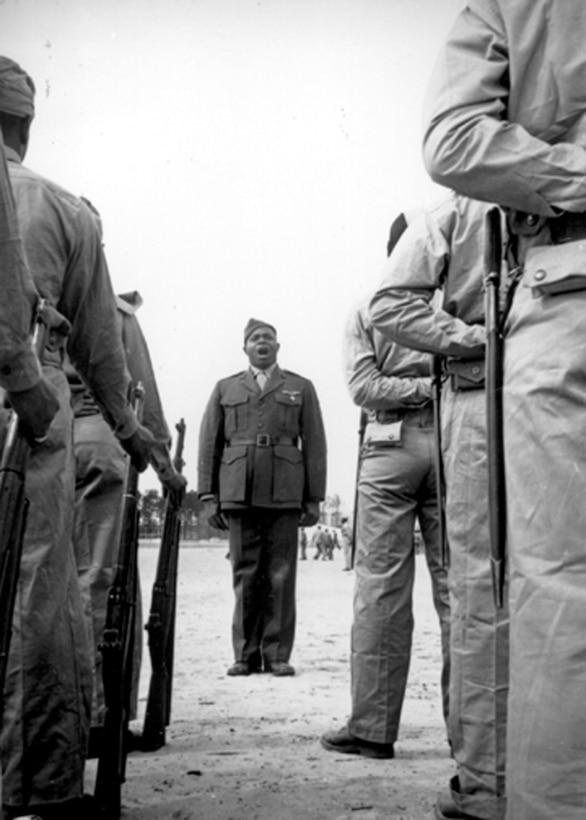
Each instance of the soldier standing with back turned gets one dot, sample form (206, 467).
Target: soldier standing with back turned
(506, 123)
(48, 686)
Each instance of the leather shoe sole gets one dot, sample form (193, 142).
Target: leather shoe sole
(446, 809)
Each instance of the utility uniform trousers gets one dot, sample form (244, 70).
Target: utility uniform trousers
(100, 473)
(479, 632)
(397, 486)
(263, 553)
(48, 687)
(545, 437)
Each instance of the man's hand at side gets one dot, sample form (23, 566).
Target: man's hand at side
(309, 514)
(35, 408)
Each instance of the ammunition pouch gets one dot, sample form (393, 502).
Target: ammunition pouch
(553, 269)
(466, 374)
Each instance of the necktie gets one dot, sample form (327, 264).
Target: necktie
(261, 380)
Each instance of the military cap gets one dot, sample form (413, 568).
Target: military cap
(17, 90)
(254, 324)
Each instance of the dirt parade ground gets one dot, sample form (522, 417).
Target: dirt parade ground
(249, 747)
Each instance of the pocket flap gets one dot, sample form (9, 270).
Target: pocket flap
(233, 453)
(553, 269)
(288, 453)
(290, 397)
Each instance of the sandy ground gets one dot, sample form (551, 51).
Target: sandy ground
(249, 747)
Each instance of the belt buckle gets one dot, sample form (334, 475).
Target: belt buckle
(263, 440)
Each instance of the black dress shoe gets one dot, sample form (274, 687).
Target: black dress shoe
(280, 669)
(348, 744)
(238, 669)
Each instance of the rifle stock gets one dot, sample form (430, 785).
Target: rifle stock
(161, 622)
(13, 512)
(494, 404)
(117, 649)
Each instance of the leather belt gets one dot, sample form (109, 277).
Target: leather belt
(263, 440)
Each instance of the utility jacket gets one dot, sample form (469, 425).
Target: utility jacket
(19, 368)
(505, 113)
(263, 449)
(443, 249)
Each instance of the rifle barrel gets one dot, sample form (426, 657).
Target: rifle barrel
(494, 405)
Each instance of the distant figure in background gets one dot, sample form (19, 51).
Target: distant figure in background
(101, 468)
(329, 546)
(397, 485)
(302, 544)
(262, 474)
(347, 540)
(319, 542)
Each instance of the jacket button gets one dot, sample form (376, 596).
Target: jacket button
(540, 275)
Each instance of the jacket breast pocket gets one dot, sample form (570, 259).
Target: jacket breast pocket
(233, 474)
(551, 269)
(236, 414)
(288, 409)
(288, 475)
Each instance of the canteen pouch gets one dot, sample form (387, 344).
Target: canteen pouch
(552, 269)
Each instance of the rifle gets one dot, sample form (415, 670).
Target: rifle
(436, 380)
(13, 511)
(117, 648)
(361, 429)
(494, 404)
(161, 622)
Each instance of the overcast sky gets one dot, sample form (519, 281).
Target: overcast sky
(247, 158)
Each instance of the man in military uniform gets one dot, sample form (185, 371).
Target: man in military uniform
(48, 685)
(443, 250)
(397, 486)
(100, 475)
(262, 474)
(506, 123)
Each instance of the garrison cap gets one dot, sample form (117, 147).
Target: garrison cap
(254, 324)
(17, 90)
(397, 230)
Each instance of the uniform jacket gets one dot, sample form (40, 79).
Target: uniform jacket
(443, 249)
(505, 113)
(67, 263)
(234, 462)
(139, 365)
(19, 368)
(382, 375)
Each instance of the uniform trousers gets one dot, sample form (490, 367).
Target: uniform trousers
(397, 486)
(100, 473)
(479, 643)
(263, 553)
(545, 437)
(48, 687)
